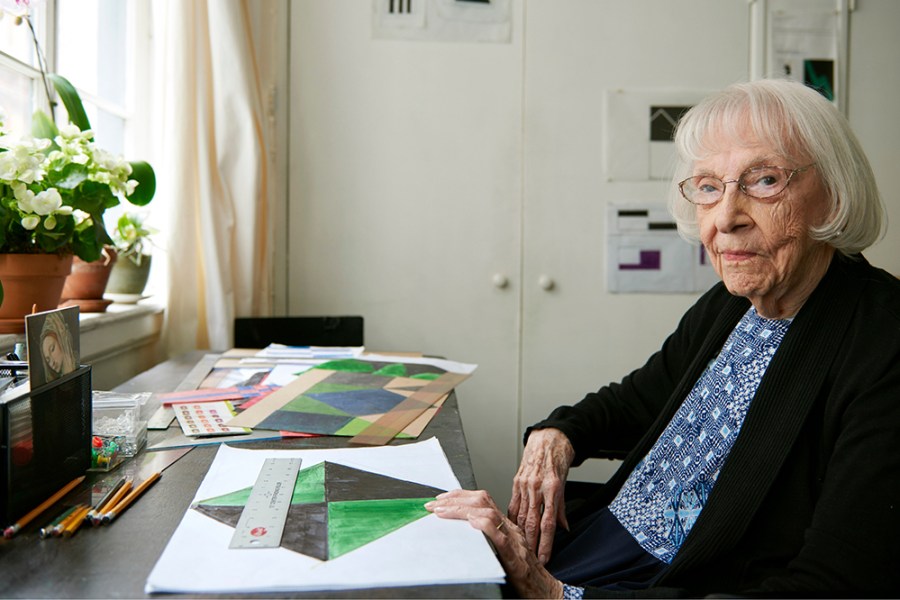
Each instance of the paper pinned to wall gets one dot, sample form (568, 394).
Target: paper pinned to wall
(644, 252)
(803, 46)
(428, 550)
(638, 125)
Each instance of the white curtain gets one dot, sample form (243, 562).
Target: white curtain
(211, 170)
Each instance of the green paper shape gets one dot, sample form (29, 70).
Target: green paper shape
(356, 523)
(351, 365)
(326, 388)
(310, 485)
(392, 370)
(305, 404)
(426, 376)
(353, 427)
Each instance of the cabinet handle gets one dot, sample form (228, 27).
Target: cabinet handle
(546, 283)
(501, 281)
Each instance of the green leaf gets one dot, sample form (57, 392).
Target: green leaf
(42, 126)
(69, 95)
(143, 173)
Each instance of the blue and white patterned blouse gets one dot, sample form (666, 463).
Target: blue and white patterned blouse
(665, 493)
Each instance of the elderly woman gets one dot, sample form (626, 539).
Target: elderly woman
(763, 438)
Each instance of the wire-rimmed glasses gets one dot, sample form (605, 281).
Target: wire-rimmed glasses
(759, 182)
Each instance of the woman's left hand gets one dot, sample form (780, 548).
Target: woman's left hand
(522, 566)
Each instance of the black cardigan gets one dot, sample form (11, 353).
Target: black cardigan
(808, 501)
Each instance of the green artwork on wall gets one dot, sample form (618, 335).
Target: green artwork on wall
(335, 509)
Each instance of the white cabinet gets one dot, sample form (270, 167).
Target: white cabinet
(453, 193)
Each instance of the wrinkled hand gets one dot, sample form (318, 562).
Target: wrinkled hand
(537, 503)
(529, 576)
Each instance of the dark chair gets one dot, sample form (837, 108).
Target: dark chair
(259, 332)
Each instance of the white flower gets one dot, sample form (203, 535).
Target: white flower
(24, 197)
(30, 222)
(50, 222)
(23, 160)
(47, 202)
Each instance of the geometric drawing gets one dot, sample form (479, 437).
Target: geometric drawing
(663, 120)
(351, 396)
(646, 254)
(335, 509)
(649, 259)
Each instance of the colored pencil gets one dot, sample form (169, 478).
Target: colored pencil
(97, 519)
(106, 498)
(15, 528)
(47, 531)
(58, 529)
(131, 497)
(77, 520)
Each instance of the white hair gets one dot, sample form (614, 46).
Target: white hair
(803, 127)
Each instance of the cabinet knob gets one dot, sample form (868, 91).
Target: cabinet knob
(546, 283)
(500, 280)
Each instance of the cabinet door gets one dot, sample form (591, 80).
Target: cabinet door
(576, 335)
(405, 201)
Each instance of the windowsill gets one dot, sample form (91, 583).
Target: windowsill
(118, 343)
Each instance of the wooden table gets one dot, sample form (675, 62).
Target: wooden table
(114, 561)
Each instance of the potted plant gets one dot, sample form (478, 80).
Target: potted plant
(55, 186)
(131, 271)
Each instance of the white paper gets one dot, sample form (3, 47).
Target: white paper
(428, 551)
(644, 252)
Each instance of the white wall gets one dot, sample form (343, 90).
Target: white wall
(419, 170)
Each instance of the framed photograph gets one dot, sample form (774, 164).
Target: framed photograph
(53, 344)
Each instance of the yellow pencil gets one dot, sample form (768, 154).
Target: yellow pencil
(48, 530)
(131, 497)
(77, 520)
(97, 518)
(14, 529)
(61, 526)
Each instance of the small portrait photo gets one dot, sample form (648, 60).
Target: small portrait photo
(53, 344)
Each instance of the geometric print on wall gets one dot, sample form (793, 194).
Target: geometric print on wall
(335, 509)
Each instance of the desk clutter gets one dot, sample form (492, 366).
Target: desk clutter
(351, 517)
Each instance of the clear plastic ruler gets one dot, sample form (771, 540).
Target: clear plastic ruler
(262, 521)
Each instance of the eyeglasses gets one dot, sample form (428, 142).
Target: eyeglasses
(758, 182)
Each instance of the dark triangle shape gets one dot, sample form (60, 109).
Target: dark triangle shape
(344, 483)
(305, 531)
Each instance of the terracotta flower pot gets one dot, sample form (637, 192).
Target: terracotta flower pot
(30, 281)
(87, 282)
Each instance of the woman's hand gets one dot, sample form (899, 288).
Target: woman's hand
(525, 573)
(537, 503)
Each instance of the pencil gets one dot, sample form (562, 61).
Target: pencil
(106, 498)
(48, 530)
(15, 528)
(97, 519)
(77, 520)
(131, 497)
(61, 526)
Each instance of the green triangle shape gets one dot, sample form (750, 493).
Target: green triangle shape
(350, 365)
(309, 488)
(305, 404)
(356, 523)
(353, 427)
(236, 498)
(324, 388)
(310, 485)
(392, 370)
